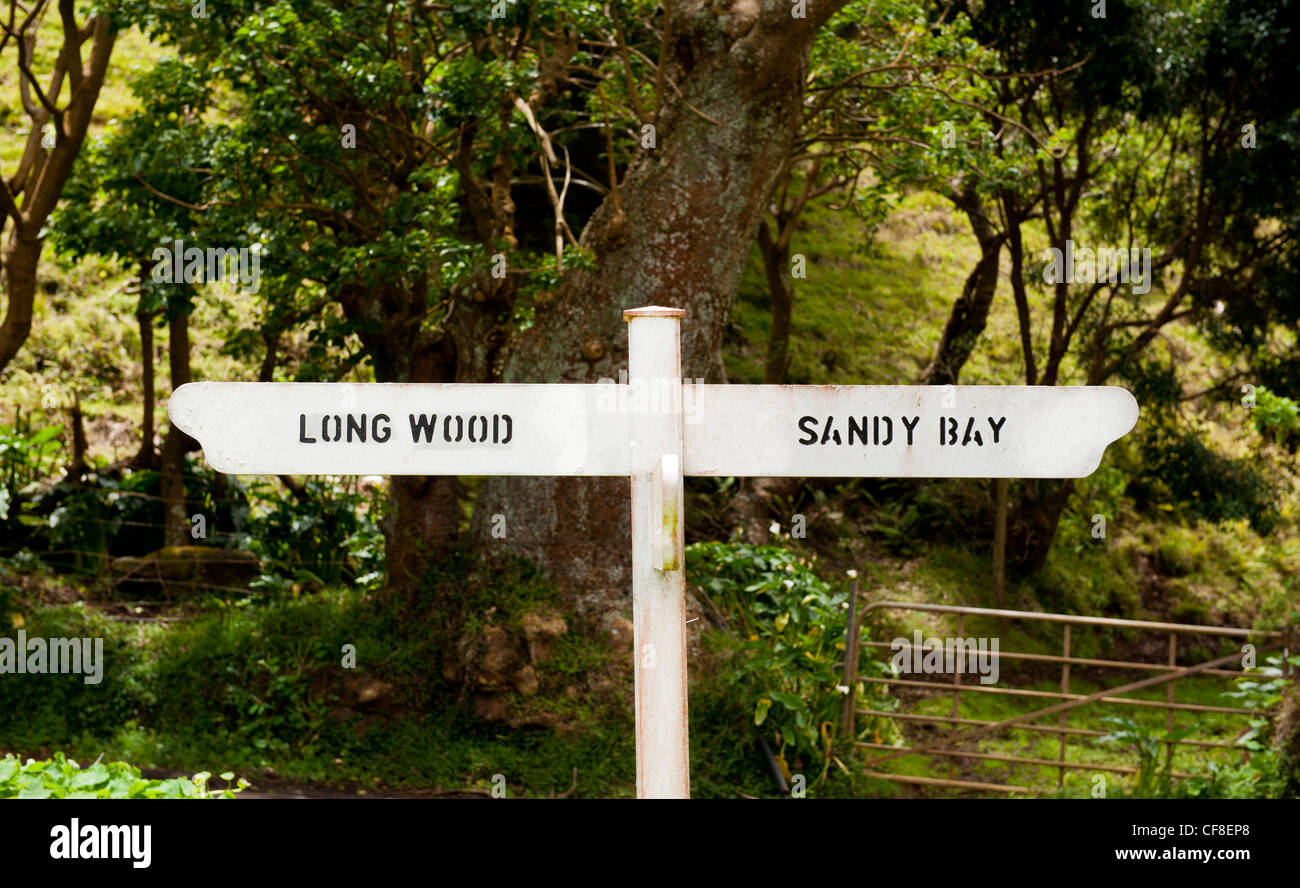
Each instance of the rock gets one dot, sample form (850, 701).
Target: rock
(526, 681)
(620, 632)
(177, 571)
(540, 629)
(373, 691)
(500, 657)
(492, 707)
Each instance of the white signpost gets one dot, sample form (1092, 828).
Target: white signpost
(655, 429)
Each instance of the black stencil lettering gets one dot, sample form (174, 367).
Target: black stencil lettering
(910, 426)
(997, 427)
(830, 431)
(805, 426)
(426, 424)
(357, 425)
(446, 429)
(859, 430)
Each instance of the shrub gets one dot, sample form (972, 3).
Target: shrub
(1181, 470)
(790, 626)
(59, 778)
(331, 536)
(1181, 551)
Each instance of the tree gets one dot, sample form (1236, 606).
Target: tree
(115, 209)
(386, 168)
(675, 231)
(1142, 149)
(59, 113)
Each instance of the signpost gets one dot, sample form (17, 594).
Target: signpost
(655, 430)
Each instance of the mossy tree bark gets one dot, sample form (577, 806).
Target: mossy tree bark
(676, 232)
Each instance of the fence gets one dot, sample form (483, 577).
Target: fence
(1167, 673)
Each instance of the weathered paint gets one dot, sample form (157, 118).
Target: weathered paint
(739, 430)
(839, 431)
(276, 428)
(658, 580)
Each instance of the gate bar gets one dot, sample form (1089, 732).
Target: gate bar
(1063, 707)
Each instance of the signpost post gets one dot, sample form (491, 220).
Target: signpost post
(655, 430)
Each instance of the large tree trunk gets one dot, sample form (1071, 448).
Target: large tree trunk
(176, 521)
(677, 234)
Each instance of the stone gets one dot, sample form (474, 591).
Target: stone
(540, 629)
(500, 657)
(492, 707)
(373, 691)
(620, 631)
(526, 681)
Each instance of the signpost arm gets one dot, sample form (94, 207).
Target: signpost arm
(658, 579)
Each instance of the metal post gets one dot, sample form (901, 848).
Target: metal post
(658, 541)
(960, 669)
(1065, 689)
(1169, 697)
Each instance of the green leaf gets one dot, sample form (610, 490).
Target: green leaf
(34, 790)
(789, 701)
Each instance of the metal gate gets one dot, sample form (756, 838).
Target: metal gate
(968, 729)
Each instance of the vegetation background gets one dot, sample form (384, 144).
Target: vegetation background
(838, 191)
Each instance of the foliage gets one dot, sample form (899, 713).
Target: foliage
(1262, 694)
(80, 524)
(27, 455)
(1262, 771)
(1277, 415)
(1181, 470)
(1260, 775)
(791, 627)
(1152, 780)
(331, 535)
(59, 778)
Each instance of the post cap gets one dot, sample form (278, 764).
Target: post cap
(653, 311)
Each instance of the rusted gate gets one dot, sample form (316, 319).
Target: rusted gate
(967, 729)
